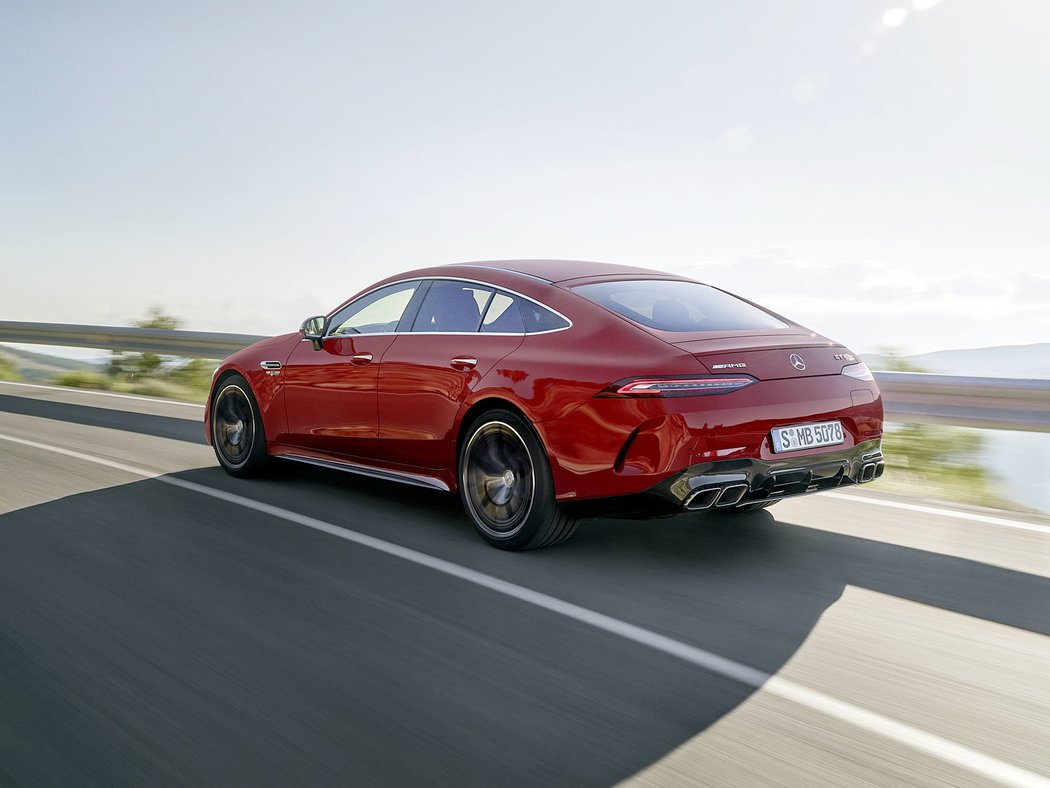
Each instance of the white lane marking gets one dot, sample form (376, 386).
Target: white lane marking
(132, 469)
(936, 510)
(902, 733)
(74, 390)
(916, 739)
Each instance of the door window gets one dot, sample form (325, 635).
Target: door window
(379, 312)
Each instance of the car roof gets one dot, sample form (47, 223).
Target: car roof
(555, 271)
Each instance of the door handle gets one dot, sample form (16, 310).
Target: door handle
(463, 363)
(361, 359)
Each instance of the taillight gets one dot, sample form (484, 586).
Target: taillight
(859, 371)
(700, 385)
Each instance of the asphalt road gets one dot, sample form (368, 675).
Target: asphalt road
(164, 624)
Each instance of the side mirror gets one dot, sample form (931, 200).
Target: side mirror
(313, 329)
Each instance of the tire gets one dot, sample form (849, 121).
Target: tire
(237, 433)
(506, 487)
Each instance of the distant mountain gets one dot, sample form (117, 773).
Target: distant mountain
(1007, 361)
(41, 368)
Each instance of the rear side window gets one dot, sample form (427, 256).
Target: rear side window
(538, 318)
(509, 314)
(452, 307)
(667, 305)
(503, 317)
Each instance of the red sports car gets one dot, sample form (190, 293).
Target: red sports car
(541, 389)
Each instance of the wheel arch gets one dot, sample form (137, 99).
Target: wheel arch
(484, 405)
(555, 523)
(221, 376)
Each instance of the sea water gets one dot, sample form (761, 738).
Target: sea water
(1020, 461)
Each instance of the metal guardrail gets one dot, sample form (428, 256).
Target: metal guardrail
(197, 344)
(990, 403)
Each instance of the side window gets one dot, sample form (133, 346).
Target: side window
(452, 307)
(503, 316)
(538, 318)
(375, 313)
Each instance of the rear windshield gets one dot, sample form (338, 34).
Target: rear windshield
(668, 305)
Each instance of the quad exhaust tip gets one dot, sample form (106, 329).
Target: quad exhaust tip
(731, 495)
(704, 499)
(871, 470)
(720, 497)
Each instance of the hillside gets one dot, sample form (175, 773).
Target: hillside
(1008, 361)
(41, 368)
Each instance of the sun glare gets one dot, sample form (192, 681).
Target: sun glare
(894, 17)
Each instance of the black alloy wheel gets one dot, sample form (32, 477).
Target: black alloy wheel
(236, 431)
(506, 487)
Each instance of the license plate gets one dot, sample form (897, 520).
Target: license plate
(807, 436)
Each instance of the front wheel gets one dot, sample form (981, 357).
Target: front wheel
(506, 486)
(236, 430)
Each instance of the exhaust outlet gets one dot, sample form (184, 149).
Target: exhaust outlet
(867, 473)
(731, 495)
(703, 499)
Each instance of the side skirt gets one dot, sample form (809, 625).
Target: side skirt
(416, 479)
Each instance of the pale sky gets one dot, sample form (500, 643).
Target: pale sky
(878, 171)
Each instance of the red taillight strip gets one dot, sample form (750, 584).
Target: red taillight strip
(678, 387)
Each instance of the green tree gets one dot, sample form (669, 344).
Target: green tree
(195, 374)
(893, 361)
(132, 366)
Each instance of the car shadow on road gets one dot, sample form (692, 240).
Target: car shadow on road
(153, 635)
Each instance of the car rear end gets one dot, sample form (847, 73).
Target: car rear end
(807, 416)
(766, 409)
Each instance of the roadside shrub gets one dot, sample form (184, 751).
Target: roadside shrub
(83, 379)
(8, 371)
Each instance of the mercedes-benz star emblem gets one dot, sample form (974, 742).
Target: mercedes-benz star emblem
(797, 362)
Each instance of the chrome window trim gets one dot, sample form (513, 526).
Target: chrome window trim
(479, 332)
(530, 276)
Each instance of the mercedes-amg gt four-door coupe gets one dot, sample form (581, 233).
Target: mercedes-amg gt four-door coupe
(539, 389)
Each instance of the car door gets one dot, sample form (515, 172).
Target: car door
(429, 371)
(330, 393)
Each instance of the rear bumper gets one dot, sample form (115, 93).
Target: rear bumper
(729, 484)
(613, 447)
(732, 483)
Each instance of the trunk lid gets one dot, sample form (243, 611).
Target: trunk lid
(771, 357)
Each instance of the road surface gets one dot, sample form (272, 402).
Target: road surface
(164, 624)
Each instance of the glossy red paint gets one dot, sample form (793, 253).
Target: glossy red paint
(423, 391)
(399, 401)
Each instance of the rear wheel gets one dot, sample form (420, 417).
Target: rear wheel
(506, 486)
(236, 430)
